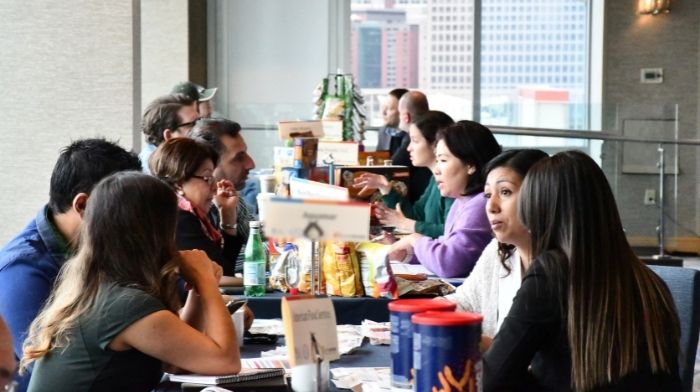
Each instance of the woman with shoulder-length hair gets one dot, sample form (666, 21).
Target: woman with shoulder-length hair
(462, 151)
(112, 320)
(589, 314)
(187, 165)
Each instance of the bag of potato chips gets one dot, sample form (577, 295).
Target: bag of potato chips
(341, 269)
(377, 278)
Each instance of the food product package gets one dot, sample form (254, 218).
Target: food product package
(341, 269)
(377, 278)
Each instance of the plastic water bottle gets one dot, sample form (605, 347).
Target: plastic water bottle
(254, 263)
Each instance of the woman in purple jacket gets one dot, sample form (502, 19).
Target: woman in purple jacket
(462, 151)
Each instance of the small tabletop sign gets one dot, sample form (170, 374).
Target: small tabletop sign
(332, 130)
(290, 129)
(309, 329)
(317, 219)
(300, 188)
(344, 153)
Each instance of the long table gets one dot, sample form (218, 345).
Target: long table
(347, 310)
(365, 356)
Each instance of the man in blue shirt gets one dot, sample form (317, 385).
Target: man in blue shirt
(30, 262)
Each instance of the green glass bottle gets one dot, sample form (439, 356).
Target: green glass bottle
(254, 263)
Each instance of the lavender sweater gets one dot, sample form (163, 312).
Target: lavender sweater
(467, 232)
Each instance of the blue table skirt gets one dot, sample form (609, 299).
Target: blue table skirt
(347, 310)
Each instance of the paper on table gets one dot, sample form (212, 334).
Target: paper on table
(411, 269)
(351, 378)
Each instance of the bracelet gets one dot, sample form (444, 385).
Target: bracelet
(228, 226)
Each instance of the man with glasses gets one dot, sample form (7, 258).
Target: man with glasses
(167, 117)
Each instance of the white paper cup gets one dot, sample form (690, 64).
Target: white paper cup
(263, 199)
(304, 378)
(267, 183)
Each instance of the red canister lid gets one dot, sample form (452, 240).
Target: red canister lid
(446, 319)
(418, 305)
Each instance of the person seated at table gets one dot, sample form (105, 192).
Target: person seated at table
(8, 364)
(427, 215)
(188, 167)
(491, 286)
(589, 314)
(462, 151)
(112, 320)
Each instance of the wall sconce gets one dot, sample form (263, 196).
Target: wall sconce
(654, 7)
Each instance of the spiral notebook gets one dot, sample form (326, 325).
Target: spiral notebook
(244, 375)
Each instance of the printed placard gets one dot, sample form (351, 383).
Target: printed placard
(289, 129)
(283, 156)
(333, 130)
(304, 317)
(317, 220)
(344, 153)
(300, 188)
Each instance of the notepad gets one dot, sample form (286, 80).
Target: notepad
(244, 375)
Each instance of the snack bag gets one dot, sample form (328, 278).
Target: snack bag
(341, 269)
(305, 256)
(377, 277)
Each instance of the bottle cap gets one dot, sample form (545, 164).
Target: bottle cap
(254, 224)
(293, 291)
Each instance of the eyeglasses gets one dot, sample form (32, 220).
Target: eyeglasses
(208, 179)
(188, 124)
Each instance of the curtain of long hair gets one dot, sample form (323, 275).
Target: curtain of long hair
(613, 302)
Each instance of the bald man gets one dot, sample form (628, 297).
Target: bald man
(412, 105)
(7, 357)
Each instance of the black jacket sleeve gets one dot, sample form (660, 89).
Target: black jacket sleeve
(190, 235)
(532, 327)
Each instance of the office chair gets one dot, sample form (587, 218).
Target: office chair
(684, 284)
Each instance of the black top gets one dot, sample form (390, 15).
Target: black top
(190, 235)
(389, 139)
(419, 177)
(87, 363)
(531, 352)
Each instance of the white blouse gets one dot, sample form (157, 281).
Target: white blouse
(490, 288)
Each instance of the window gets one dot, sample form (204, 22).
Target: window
(523, 44)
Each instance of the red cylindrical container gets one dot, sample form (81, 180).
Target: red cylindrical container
(446, 352)
(402, 335)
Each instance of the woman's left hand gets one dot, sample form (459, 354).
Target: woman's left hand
(226, 199)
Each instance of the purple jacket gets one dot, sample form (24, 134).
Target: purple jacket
(467, 232)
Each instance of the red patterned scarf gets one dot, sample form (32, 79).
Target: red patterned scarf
(207, 227)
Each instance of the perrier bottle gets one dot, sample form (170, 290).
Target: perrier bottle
(254, 263)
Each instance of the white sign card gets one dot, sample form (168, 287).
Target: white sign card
(300, 188)
(304, 316)
(283, 156)
(332, 130)
(303, 128)
(344, 153)
(317, 220)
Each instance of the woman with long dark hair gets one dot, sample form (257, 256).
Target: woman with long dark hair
(490, 288)
(589, 314)
(462, 151)
(112, 320)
